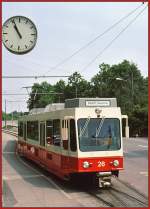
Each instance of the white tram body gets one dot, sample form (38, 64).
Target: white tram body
(81, 137)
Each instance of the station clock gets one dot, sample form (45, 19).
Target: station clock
(19, 34)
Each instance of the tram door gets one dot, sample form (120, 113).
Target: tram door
(64, 134)
(65, 144)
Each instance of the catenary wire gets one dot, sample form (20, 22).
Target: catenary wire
(93, 40)
(85, 46)
(114, 39)
(32, 62)
(34, 76)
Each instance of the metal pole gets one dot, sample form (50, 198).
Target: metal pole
(76, 92)
(101, 85)
(5, 114)
(132, 89)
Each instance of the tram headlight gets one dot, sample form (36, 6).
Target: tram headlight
(86, 164)
(115, 163)
(98, 111)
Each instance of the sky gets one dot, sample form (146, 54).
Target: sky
(62, 29)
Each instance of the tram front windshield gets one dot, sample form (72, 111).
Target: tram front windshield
(99, 134)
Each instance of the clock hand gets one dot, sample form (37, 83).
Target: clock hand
(15, 27)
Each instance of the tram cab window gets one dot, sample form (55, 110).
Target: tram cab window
(99, 134)
(33, 130)
(73, 143)
(49, 132)
(20, 129)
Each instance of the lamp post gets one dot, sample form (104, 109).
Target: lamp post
(5, 115)
(119, 79)
(132, 86)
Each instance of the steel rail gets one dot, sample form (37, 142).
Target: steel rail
(128, 196)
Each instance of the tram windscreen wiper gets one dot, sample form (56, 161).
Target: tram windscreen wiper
(100, 127)
(84, 127)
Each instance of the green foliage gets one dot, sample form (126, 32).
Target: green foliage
(138, 120)
(59, 87)
(13, 115)
(38, 100)
(77, 86)
(123, 81)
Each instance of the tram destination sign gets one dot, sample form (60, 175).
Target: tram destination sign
(90, 102)
(97, 103)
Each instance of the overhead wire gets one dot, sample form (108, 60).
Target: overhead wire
(93, 40)
(36, 76)
(19, 94)
(113, 40)
(100, 35)
(89, 43)
(29, 69)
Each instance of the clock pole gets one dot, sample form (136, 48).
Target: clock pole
(5, 115)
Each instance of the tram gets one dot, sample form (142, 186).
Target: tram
(82, 136)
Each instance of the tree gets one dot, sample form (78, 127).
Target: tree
(122, 81)
(100, 81)
(138, 121)
(37, 100)
(60, 88)
(77, 86)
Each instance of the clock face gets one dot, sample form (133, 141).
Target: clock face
(19, 34)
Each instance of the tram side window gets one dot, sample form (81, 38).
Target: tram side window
(73, 143)
(49, 131)
(33, 130)
(20, 129)
(63, 124)
(56, 132)
(24, 131)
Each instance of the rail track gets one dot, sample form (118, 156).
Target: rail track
(120, 194)
(113, 197)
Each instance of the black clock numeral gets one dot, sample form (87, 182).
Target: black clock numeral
(33, 34)
(19, 19)
(13, 21)
(26, 21)
(6, 26)
(18, 48)
(11, 46)
(31, 27)
(6, 40)
(26, 46)
(5, 33)
(31, 41)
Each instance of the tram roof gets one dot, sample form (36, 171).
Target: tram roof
(90, 102)
(76, 102)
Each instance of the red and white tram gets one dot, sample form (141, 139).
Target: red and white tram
(81, 137)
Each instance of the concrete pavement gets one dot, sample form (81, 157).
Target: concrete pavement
(26, 185)
(136, 163)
